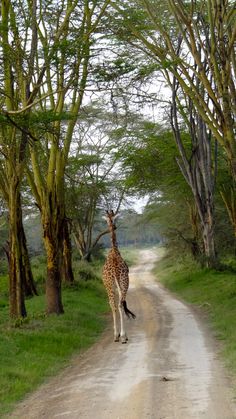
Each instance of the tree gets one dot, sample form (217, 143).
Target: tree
(67, 271)
(199, 168)
(208, 31)
(93, 177)
(150, 162)
(46, 50)
(15, 83)
(66, 43)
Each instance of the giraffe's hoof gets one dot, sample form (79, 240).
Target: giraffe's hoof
(124, 339)
(117, 338)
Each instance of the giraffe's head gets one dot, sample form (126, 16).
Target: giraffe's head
(110, 218)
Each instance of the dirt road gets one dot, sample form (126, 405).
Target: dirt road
(168, 369)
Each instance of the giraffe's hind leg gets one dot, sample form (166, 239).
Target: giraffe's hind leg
(114, 314)
(123, 335)
(116, 332)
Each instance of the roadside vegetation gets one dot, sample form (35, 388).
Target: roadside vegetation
(37, 347)
(213, 291)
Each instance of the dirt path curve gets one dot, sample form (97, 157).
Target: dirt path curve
(168, 369)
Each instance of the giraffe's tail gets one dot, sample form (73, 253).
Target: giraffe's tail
(128, 313)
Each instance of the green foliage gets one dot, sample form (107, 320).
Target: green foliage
(150, 159)
(85, 271)
(130, 255)
(3, 240)
(3, 266)
(49, 116)
(117, 69)
(150, 163)
(38, 266)
(229, 262)
(3, 291)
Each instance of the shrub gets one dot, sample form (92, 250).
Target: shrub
(85, 271)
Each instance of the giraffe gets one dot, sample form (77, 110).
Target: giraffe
(116, 278)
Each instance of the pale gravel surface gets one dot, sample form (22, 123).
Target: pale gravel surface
(169, 368)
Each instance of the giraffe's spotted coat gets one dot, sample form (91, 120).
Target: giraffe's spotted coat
(116, 279)
(115, 272)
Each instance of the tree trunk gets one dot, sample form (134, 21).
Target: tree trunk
(205, 209)
(67, 270)
(53, 281)
(79, 239)
(53, 241)
(85, 248)
(209, 245)
(195, 243)
(206, 215)
(199, 171)
(29, 285)
(16, 262)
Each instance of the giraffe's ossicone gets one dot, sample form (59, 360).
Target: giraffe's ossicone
(116, 281)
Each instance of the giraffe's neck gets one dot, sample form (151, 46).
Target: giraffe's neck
(113, 240)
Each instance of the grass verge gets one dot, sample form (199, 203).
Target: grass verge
(213, 291)
(40, 346)
(130, 255)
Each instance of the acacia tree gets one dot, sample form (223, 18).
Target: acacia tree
(199, 167)
(46, 50)
(92, 174)
(15, 83)
(208, 31)
(151, 168)
(85, 197)
(65, 46)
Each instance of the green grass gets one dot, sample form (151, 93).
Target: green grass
(40, 346)
(213, 291)
(130, 255)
